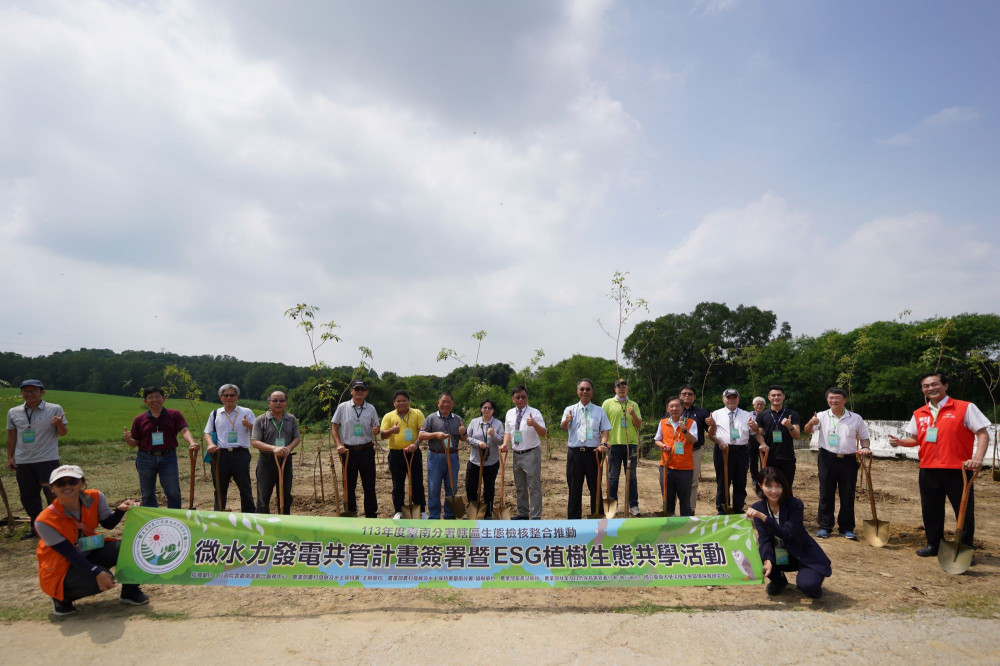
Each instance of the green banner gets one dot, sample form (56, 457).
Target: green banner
(172, 546)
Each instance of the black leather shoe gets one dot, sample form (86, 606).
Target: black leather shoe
(776, 586)
(927, 551)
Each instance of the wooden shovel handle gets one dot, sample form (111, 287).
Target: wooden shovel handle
(970, 479)
(343, 471)
(193, 455)
(867, 466)
(600, 468)
(409, 473)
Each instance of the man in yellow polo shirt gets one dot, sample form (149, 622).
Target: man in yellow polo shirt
(625, 421)
(401, 427)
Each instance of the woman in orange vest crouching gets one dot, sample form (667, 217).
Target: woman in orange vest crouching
(73, 559)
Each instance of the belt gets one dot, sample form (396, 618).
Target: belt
(441, 453)
(583, 448)
(360, 447)
(231, 449)
(160, 453)
(838, 455)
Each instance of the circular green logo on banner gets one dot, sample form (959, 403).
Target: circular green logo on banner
(161, 545)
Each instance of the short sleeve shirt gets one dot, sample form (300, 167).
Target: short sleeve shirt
(35, 424)
(411, 421)
(739, 422)
(170, 423)
(437, 423)
(770, 422)
(264, 429)
(849, 429)
(516, 422)
(622, 430)
(349, 415)
(586, 425)
(230, 433)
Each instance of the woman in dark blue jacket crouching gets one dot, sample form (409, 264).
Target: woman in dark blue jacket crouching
(783, 541)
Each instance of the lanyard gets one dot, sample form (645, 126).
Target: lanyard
(934, 412)
(675, 426)
(835, 421)
(586, 412)
(80, 526)
(406, 419)
(768, 505)
(31, 413)
(359, 412)
(277, 427)
(154, 419)
(483, 427)
(776, 420)
(232, 421)
(625, 418)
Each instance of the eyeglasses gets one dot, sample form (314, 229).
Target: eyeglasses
(359, 388)
(228, 395)
(584, 388)
(278, 400)
(520, 397)
(66, 481)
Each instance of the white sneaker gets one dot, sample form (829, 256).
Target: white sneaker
(424, 516)
(398, 515)
(635, 511)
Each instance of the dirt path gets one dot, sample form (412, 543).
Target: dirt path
(880, 603)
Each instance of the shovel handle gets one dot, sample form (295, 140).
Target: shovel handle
(279, 462)
(193, 455)
(343, 471)
(966, 489)
(409, 473)
(725, 475)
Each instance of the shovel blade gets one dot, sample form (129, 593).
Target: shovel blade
(457, 505)
(610, 508)
(876, 532)
(477, 510)
(955, 558)
(411, 512)
(503, 513)
(996, 473)
(348, 514)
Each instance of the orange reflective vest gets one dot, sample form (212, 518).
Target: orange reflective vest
(678, 460)
(52, 566)
(954, 443)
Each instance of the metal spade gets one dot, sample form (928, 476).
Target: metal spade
(409, 510)
(457, 504)
(502, 513)
(875, 531)
(956, 558)
(611, 505)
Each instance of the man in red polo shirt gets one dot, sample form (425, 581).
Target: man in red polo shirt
(945, 429)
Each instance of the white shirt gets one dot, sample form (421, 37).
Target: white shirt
(974, 419)
(850, 428)
(740, 418)
(529, 438)
(227, 423)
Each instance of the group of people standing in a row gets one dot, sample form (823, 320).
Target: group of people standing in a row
(74, 559)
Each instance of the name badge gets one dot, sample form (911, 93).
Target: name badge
(833, 440)
(931, 435)
(358, 431)
(781, 556)
(279, 441)
(734, 434)
(776, 437)
(157, 439)
(408, 435)
(28, 436)
(679, 448)
(231, 437)
(517, 436)
(91, 542)
(446, 442)
(589, 432)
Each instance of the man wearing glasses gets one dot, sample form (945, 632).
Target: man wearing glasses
(588, 429)
(625, 419)
(33, 431)
(355, 427)
(275, 433)
(227, 436)
(523, 429)
(945, 429)
(699, 416)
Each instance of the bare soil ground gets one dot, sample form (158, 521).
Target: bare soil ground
(880, 603)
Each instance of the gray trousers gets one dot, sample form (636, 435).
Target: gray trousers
(528, 482)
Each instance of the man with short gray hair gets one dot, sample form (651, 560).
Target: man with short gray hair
(227, 436)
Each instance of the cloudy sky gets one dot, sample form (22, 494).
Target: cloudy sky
(174, 175)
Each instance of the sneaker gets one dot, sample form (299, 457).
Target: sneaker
(398, 515)
(635, 512)
(134, 597)
(850, 535)
(62, 607)
(519, 517)
(927, 551)
(424, 515)
(823, 533)
(30, 534)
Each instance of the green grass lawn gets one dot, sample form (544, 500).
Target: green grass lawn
(94, 417)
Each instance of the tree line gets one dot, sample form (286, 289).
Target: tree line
(713, 348)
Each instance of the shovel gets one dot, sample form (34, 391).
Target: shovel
(193, 455)
(280, 464)
(875, 531)
(611, 505)
(726, 505)
(410, 511)
(479, 506)
(503, 513)
(6, 504)
(455, 503)
(956, 558)
(666, 509)
(343, 470)
(218, 486)
(763, 459)
(600, 503)
(333, 473)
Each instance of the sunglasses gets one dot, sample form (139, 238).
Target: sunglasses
(228, 395)
(278, 400)
(68, 481)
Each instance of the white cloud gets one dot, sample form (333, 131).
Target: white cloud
(951, 115)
